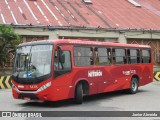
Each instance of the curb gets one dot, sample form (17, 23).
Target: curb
(5, 82)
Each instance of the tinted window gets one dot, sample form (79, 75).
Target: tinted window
(119, 56)
(146, 56)
(83, 56)
(133, 56)
(62, 66)
(103, 56)
(66, 65)
(67, 62)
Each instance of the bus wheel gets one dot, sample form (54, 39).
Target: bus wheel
(79, 94)
(134, 86)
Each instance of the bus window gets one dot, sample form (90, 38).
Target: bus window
(62, 68)
(103, 56)
(83, 56)
(134, 56)
(146, 56)
(119, 56)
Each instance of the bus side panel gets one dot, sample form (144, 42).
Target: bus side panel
(120, 78)
(82, 73)
(113, 78)
(64, 86)
(146, 74)
(62, 92)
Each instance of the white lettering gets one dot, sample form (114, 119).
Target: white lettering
(33, 86)
(14, 114)
(34, 115)
(129, 72)
(150, 114)
(94, 73)
(137, 114)
(20, 86)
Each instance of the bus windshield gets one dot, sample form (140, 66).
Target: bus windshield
(33, 61)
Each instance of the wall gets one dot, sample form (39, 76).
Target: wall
(122, 36)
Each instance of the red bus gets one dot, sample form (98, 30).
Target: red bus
(53, 70)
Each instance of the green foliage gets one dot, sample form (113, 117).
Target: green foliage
(8, 41)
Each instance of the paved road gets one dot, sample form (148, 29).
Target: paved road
(147, 99)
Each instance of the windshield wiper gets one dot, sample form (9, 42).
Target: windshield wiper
(19, 69)
(29, 60)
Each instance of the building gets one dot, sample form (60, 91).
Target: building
(125, 21)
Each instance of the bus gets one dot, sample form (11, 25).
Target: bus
(53, 70)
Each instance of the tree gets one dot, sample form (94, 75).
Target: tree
(8, 41)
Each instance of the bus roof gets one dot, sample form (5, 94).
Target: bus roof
(82, 42)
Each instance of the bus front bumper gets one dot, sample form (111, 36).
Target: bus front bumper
(30, 95)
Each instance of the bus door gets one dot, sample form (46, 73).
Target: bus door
(62, 62)
(63, 82)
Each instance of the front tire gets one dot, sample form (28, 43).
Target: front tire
(79, 94)
(133, 86)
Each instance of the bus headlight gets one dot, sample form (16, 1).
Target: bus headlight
(14, 87)
(44, 87)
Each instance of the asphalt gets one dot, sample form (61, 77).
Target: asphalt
(147, 99)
